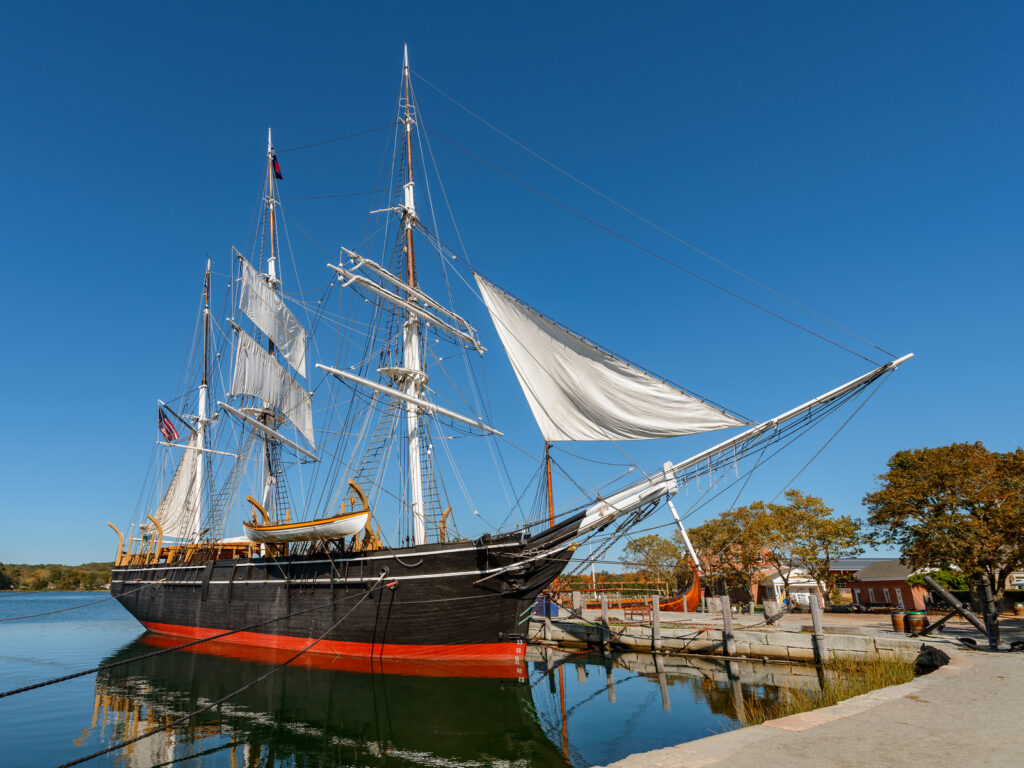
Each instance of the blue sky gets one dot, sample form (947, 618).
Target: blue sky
(863, 160)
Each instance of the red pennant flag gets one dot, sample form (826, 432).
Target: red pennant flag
(277, 166)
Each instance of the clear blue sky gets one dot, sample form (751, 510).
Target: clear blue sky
(865, 160)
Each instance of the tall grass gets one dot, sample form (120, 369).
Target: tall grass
(842, 679)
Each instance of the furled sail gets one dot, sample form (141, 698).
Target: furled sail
(580, 392)
(267, 310)
(178, 510)
(258, 374)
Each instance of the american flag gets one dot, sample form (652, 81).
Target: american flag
(165, 426)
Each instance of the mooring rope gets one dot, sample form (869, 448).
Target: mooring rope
(83, 605)
(102, 667)
(222, 699)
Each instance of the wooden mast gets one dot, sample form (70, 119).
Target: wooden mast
(410, 259)
(206, 319)
(272, 222)
(203, 416)
(412, 377)
(547, 467)
(274, 282)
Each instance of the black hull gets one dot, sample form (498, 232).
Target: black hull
(463, 600)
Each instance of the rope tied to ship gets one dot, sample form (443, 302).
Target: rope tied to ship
(83, 605)
(185, 718)
(189, 644)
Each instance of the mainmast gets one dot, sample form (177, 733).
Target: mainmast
(412, 374)
(274, 283)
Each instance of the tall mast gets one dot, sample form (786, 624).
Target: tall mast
(413, 373)
(203, 407)
(271, 205)
(269, 478)
(551, 497)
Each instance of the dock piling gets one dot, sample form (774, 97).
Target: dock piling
(728, 641)
(819, 632)
(656, 623)
(606, 633)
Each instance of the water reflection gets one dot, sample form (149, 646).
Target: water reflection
(321, 710)
(556, 709)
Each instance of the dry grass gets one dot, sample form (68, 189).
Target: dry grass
(843, 680)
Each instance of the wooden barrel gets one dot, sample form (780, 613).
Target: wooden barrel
(916, 621)
(898, 620)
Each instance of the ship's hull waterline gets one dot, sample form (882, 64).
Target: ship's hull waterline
(444, 601)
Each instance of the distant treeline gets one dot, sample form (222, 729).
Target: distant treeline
(62, 577)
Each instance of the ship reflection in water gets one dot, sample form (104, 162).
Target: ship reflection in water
(554, 710)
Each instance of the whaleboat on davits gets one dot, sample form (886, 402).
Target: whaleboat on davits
(283, 532)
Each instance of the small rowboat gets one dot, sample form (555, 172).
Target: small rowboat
(683, 602)
(337, 527)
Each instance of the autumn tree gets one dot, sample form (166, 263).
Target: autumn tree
(6, 582)
(783, 525)
(730, 546)
(653, 556)
(825, 539)
(959, 506)
(803, 533)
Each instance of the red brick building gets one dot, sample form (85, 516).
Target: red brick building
(884, 582)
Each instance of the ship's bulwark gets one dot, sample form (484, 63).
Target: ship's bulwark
(458, 601)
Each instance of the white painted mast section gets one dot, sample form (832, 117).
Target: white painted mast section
(271, 203)
(684, 534)
(203, 411)
(413, 375)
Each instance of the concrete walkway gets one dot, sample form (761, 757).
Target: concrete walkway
(970, 713)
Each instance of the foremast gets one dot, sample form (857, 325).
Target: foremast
(203, 415)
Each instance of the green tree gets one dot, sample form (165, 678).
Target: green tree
(653, 556)
(958, 505)
(730, 546)
(945, 577)
(783, 524)
(803, 533)
(823, 540)
(6, 582)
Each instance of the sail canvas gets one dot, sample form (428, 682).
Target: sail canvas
(268, 311)
(580, 392)
(260, 375)
(178, 510)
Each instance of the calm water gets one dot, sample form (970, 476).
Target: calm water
(325, 711)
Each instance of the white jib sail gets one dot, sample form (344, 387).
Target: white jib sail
(580, 392)
(260, 375)
(177, 513)
(268, 311)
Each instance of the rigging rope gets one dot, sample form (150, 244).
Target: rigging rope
(102, 667)
(322, 197)
(650, 223)
(332, 141)
(653, 253)
(185, 718)
(73, 607)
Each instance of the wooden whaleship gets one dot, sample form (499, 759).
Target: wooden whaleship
(370, 557)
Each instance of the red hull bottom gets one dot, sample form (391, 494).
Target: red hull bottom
(506, 669)
(511, 654)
